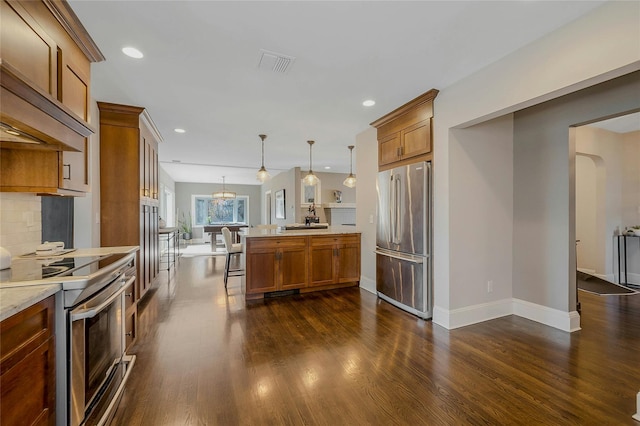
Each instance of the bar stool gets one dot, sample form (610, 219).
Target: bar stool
(233, 249)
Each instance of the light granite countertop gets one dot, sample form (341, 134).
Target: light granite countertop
(15, 299)
(259, 233)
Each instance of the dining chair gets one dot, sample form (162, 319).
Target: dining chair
(233, 249)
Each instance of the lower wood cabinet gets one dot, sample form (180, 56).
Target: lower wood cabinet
(334, 259)
(305, 263)
(276, 264)
(27, 366)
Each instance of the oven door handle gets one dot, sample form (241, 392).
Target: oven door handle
(92, 312)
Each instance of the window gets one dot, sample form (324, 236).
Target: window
(209, 211)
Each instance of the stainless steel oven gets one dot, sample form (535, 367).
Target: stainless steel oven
(99, 366)
(91, 364)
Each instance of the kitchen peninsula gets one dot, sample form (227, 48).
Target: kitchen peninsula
(304, 260)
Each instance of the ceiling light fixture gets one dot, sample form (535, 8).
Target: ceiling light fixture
(369, 102)
(132, 52)
(224, 194)
(310, 179)
(263, 174)
(350, 181)
(180, 130)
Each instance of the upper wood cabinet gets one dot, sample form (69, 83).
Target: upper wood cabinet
(45, 60)
(404, 135)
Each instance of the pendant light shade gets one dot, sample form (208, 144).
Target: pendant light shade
(224, 194)
(263, 174)
(310, 179)
(350, 181)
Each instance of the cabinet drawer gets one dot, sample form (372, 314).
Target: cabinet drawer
(334, 239)
(275, 243)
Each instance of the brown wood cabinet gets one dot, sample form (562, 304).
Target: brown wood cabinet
(128, 188)
(45, 59)
(334, 259)
(275, 264)
(404, 135)
(304, 263)
(27, 366)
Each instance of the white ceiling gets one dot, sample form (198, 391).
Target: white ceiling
(623, 124)
(200, 70)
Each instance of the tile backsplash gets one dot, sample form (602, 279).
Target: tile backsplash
(20, 222)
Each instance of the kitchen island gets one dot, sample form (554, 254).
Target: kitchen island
(298, 261)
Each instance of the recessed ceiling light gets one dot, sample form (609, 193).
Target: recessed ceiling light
(369, 102)
(327, 167)
(132, 52)
(180, 130)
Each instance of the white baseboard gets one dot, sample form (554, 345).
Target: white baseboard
(565, 321)
(450, 319)
(478, 313)
(633, 278)
(368, 284)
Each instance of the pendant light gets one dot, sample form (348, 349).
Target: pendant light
(224, 194)
(310, 179)
(350, 181)
(263, 174)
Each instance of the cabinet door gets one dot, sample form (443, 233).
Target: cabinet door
(75, 169)
(389, 149)
(144, 266)
(416, 139)
(73, 85)
(27, 366)
(27, 47)
(322, 262)
(348, 261)
(261, 270)
(293, 267)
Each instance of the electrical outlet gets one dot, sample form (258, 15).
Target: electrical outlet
(490, 286)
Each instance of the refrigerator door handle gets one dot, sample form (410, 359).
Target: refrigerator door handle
(392, 210)
(398, 205)
(412, 259)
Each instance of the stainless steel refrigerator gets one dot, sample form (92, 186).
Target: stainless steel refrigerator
(403, 246)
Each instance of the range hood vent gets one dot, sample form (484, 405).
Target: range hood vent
(275, 62)
(32, 119)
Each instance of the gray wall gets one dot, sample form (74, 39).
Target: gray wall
(544, 188)
(184, 191)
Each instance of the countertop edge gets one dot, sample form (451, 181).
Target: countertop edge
(14, 300)
(265, 233)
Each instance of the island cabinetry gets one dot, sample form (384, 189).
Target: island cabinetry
(275, 264)
(27, 366)
(404, 135)
(301, 263)
(334, 260)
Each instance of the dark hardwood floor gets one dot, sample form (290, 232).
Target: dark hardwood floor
(344, 357)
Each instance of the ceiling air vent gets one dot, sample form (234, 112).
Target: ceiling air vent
(275, 62)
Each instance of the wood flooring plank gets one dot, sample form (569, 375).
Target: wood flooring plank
(205, 357)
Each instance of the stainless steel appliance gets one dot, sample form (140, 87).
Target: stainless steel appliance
(92, 367)
(403, 238)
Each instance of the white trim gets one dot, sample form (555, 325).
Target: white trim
(368, 284)
(479, 313)
(636, 416)
(565, 321)
(441, 317)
